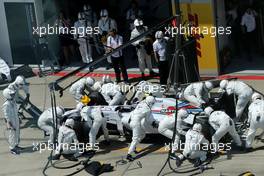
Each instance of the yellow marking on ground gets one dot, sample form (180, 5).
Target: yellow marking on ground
(222, 152)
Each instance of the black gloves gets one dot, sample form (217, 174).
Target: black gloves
(142, 43)
(27, 98)
(104, 33)
(135, 100)
(247, 125)
(155, 124)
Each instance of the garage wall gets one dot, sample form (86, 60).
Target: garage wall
(5, 50)
(221, 21)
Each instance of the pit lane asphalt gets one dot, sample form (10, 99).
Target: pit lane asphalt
(152, 156)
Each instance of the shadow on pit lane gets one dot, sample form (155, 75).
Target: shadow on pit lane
(153, 139)
(187, 167)
(28, 149)
(117, 145)
(114, 145)
(30, 123)
(150, 149)
(243, 151)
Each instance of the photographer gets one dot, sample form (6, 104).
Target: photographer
(142, 47)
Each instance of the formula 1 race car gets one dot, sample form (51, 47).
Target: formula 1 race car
(118, 117)
(163, 108)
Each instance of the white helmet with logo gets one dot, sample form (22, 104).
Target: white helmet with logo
(208, 85)
(106, 79)
(20, 81)
(69, 122)
(208, 110)
(90, 81)
(223, 84)
(197, 127)
(150, 100)
(256, 96)
(8, 94)
(104, 13)
(159, 35)
(81, 82)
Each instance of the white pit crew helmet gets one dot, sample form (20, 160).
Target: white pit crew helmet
(104, 13)
(150, 100)
(90, 81)
(8, 94)
(208, 110)
(197, 127)
(69, 122)
(159, 35)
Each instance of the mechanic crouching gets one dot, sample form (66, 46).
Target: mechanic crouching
(239, 89)
(198, 93)
(147, 88)
(166, 127)
(255, 119)
(112, 94)
(142, 110)
(93, 115)
(46, 121)
(67, 138)
(78, 88)
(193, 140)
(222, 125)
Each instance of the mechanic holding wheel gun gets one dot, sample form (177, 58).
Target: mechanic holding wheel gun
(93, 116)
(222, 124)
(78, 88)
(241, 90)
(194, 138)
(197, 93)
(255, 119)
(67, 138)
(166, 127)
